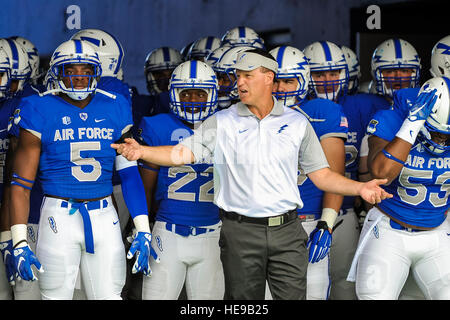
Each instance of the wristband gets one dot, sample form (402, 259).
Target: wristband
(5, 236)
(390, 156)
(409, 130)
(18, 233)
(329, 216)
(141, 223)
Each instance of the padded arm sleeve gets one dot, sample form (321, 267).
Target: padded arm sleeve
(132, 186)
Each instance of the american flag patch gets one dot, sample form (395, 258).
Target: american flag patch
(344, 122)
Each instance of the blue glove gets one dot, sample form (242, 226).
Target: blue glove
(24, 259)
(423, 105)
(6, 249)
(142, 245)
(319, 242)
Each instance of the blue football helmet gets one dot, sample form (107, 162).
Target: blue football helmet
(327, 56)
(108, 47)
(242, 36)
(201, 48)
(292, 63)
(20, 67)
(193, 75)
(354, 69)
(160, 59)
(440, 58)
(439, 118)
(5, 73)
(33, 56)
(75, 52)
(224, 68)
(395, 54)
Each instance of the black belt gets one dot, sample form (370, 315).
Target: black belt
(267, 221)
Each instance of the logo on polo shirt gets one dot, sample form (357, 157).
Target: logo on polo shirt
(282, 128)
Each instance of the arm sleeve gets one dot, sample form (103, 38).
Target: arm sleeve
(203, 141)
(131, 184)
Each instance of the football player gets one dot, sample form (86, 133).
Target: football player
(330, 124)
(202, 47)
(329, 80)
(66, 139)
(409, 145)
(226, 75)
(242, 36)
(18, 88)
(159, 65)
(187, 223)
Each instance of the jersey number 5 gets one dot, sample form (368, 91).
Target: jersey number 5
(75, 157)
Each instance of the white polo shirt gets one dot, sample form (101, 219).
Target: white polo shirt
(256, 162)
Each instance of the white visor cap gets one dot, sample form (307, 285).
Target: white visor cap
(248, 61)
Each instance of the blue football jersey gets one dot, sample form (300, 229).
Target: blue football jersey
(115, 86)
(328, 120)
(184, 194)
(420, 192)
(6, 111)
(359, 109)
(7, 122)
(76, 157)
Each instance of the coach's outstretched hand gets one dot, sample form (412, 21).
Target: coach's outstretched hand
(372, 192)
(130, 149)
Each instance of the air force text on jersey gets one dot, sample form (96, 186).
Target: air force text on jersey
(428, 163)
(83, 134)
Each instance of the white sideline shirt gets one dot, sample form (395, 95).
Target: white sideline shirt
(256, 162)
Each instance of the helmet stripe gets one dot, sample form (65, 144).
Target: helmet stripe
(78, 47)
(193, 73)
(209, 42)
(326, 50)
(15, 54)
(91, 40)
(166, 53)
(398, 49)
(280, 55)
(241, 32)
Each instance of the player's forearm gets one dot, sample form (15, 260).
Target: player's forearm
(387, 162)
(5, 221)
(167, 155)
(20, 205)
(333, 201)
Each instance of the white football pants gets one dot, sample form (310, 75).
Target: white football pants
(192, 259)
(62, 252)
(317, 276)
(388, 254)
